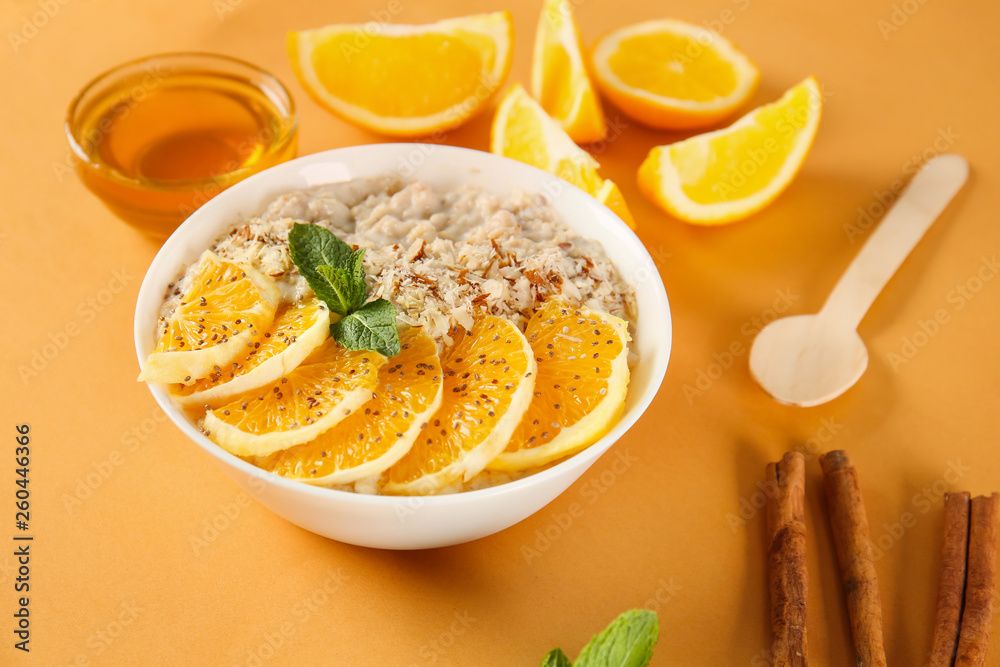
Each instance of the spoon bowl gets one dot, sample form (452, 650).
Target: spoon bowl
(805, 360)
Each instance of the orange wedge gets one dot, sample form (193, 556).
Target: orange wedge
(726, 175)
(580, 387)
(523, 131)
(223, 309)
(488, 383)
(317, 395)
(405, 80)
(673, 75)
(559, 77)
(379, 433)
(296, 331)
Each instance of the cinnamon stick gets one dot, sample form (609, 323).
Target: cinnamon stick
(977, 617)
(951, 588)
(854, 553)
(786, 560)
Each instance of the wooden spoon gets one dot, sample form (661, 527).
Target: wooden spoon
(807, 360)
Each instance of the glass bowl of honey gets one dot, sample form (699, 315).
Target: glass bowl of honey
(158, 137)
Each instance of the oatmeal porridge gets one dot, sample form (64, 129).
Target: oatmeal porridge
(507, 337)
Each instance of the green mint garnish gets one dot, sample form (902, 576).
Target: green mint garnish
(371, 327)
(343, 289)
(335, 273)
(312, 246)
(556, 658)
(627, 642)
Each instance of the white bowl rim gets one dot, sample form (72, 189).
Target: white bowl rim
(593, 451)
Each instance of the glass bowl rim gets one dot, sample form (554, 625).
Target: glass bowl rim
(290, 115)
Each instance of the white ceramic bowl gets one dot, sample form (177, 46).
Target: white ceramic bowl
(416, 522)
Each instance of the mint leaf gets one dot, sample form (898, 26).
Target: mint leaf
(311, 247)
(371, 327)
(627, 642)
(314, 245)
(357, 272)
(336, 287)
(347, 292)
(556, 658)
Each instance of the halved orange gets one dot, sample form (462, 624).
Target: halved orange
(323, 390)
(580, 388)
(296, 331)
(673, 75)
(223, 308)
(726, 175)
(405, 80)
(488, 383)
(523, 131)
(560, 80)
(379, 433)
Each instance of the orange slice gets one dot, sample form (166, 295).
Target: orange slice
(673, 75)
(296, 331)
(726, 175)
(488, 381)
(225, 306)
(379, 433)
(523, 131)
(559, 76)
(318, 394)
(406, 80)
(580, 388)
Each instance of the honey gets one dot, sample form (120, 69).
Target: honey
(157, 141)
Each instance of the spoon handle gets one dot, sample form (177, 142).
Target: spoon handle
(903, 226)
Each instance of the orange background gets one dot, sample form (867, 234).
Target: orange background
(119, 498)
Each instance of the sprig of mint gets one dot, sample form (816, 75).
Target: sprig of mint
(335, 273)
(627, 642)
